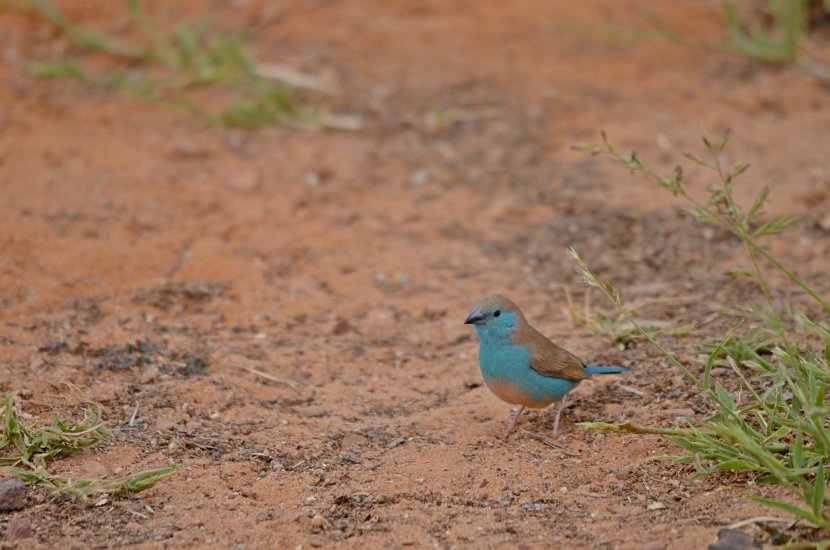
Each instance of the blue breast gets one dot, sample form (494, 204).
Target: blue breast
(507, 372)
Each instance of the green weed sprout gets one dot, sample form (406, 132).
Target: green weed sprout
(780, 46)
(29, 449)
(35, 447)
(778, 42)
(169, 69)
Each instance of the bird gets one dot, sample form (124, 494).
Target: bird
(520, 365)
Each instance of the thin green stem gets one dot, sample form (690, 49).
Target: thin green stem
(791, 275)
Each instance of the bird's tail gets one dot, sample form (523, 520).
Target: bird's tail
(596, 369)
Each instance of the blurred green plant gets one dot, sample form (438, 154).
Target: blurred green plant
(776, 425)
(171, 69)
(27, 450)
(617, 326)
(84, 488)
(772, 33)
(779, 45)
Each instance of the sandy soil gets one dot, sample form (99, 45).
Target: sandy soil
(345, 263)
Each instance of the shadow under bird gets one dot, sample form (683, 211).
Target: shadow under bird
(520, 365)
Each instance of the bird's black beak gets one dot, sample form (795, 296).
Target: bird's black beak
(474, 318)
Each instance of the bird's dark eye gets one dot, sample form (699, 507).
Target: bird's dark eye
(497, 313)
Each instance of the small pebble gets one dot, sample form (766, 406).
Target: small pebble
(419, 177)
(244, 181)
(12, 494)
(149, 374)
(312, 411)
(732, 539)
(395, 442)
(189, 149)
(318, 522)
(342, 326)
(686, 413)
(19, 528)
(346, 457)
(234, 140)
(313, 179)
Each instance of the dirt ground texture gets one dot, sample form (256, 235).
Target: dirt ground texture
(342, 265)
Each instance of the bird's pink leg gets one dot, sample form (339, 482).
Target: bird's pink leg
(512, 423)
(559, 407)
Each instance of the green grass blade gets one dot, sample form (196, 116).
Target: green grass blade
(818, 492)
(85, 37)
(142, 481)
(162, 49)
(790, 508)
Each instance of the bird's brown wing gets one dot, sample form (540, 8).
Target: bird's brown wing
(549, 359)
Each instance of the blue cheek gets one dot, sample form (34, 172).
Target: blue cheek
(506, 320)
(497, 330)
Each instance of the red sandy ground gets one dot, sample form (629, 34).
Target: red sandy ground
(123, 220)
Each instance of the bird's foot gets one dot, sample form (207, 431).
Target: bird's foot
(512, 424)
(554, 433)
(559, 408)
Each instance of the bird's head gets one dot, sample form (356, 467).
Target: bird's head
(494, 317)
